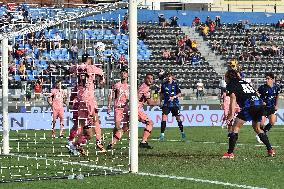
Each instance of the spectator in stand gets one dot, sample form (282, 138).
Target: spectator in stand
(174, 21)
(114, 27)
(19, 53)
(207, 21)
(196, 21)
(142, 35)
(247, 42)
(187, 42)
(181, 42)
(215, 45)
(195, 59)
(28, 92)
(124, 26)
(194, 46)
(57, 40)
(25, 14)
(280, 23)
(12, 68)
(265, 51)
(252, 40)
(255, 55)
(125, 17)
(282, 50)
(240, 27)
(122, 62)
(275, 50)
(211, 28)
(218, 21)
(205, 30)
(246, 26)
(31, 37)
(166, 54)
(180, 56)
(74, 51)
(264, 37)
(42, 41)
(22, 71)
(38, 89)
(162, 20)
(200, 90)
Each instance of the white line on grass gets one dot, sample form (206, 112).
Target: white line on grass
(141, 173)
(200, 180)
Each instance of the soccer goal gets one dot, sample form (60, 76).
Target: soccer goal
(30, 151)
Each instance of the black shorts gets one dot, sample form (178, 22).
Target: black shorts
(174, 110)
(253, 113)
(269, 111)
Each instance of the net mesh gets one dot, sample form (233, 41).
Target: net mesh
(34, 154)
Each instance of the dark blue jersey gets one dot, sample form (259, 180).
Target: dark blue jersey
(269, 94)
(169, 90)
(245, 94)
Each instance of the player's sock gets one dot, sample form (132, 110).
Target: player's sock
(117, 136)
(267, 127)
(53, 129)
(73, 133)
(146, 133)
(98, 131)
(163, 126)
(261, 127)
(61, 129)
(81, 140)
(180, 126)
(263, 137)
(233, 137)
(70, 143)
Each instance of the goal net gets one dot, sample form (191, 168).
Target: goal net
(42, 55)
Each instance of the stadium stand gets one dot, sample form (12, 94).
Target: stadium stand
(43, 57)
(257, 47)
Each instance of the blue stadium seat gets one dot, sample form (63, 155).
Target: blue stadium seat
(17, 78)
(106, 37)
(57, 52)
(112, 37)
(64, 51)
(108, 32)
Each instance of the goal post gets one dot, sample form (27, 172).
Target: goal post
(133, 86)
(5, 116)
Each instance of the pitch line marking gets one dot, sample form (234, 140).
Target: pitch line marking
(143, 174)
(200, 180)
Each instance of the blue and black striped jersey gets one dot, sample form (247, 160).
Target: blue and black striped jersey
(269, 94)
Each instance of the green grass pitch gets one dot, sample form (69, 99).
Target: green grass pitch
(194, 163)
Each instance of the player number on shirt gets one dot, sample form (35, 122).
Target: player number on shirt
(247, 88)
